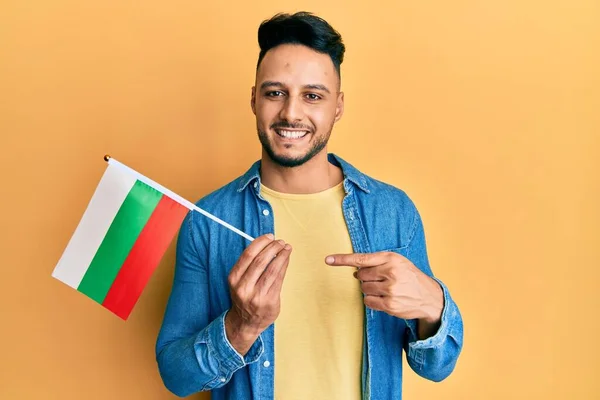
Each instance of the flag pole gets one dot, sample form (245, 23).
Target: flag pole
(175, 196)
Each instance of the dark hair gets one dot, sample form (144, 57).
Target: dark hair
(301, 28)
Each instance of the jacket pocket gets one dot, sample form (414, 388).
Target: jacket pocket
(403, 251)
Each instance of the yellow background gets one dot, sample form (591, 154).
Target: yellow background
(486, 113)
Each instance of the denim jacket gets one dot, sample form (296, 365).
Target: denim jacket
(192, 350)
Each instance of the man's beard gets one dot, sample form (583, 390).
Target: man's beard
(318, 144)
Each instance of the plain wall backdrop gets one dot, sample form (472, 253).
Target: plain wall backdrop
(485, 113)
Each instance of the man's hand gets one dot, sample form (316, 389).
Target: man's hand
(255, 283)
(391, 283)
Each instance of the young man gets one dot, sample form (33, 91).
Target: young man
(327, 313)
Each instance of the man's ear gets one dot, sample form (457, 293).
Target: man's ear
(253, 100)
(339, 108)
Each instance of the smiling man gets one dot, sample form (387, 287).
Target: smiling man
(326, 309)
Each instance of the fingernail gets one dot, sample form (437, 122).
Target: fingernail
(288, 247)
(281, 242)
(329, 260)
(271, 236)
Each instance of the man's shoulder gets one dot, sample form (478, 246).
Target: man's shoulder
(229, 191)
(383, 188)
(387, 208)
(221, 196)
(385, 194)
(376, 190)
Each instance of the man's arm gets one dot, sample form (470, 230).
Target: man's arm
(404, 287)
(432, 347)
(193, 352)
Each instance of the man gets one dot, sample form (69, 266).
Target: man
(327, 313)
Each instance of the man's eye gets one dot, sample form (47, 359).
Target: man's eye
(274, 93)
(312, 96)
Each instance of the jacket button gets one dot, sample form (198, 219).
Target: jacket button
(265, 212)
(267, 364)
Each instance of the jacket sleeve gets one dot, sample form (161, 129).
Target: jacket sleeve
(433, 358)
(192, 351)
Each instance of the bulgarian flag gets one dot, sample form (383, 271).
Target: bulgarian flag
(123, 234)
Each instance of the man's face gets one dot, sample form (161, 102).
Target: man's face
(296, 101)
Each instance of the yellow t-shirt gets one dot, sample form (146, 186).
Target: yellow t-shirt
(319, 331)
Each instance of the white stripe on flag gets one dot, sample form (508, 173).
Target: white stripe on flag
(95, 222)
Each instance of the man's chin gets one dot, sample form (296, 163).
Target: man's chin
(288, 161)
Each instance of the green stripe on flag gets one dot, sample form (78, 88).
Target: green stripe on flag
(120, 238)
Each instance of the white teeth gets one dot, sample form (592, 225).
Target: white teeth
(292, 134)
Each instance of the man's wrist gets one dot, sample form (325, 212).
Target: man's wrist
(435, 304)
(429, 324)
(239, 334)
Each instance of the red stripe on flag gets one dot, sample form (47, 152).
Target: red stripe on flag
(144, 257)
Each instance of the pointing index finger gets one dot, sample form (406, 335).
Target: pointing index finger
(360, 260)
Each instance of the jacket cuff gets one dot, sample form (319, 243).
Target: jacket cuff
(229, 360)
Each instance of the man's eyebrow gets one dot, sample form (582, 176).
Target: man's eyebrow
(314, 86)
(267, 84)
(317, 86)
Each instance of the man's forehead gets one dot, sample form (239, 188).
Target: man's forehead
(296, 64)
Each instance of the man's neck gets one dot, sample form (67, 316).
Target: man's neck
(316, 175)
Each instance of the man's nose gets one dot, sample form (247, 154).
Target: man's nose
(292, 110)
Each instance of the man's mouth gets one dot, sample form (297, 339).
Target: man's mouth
(291, 134)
